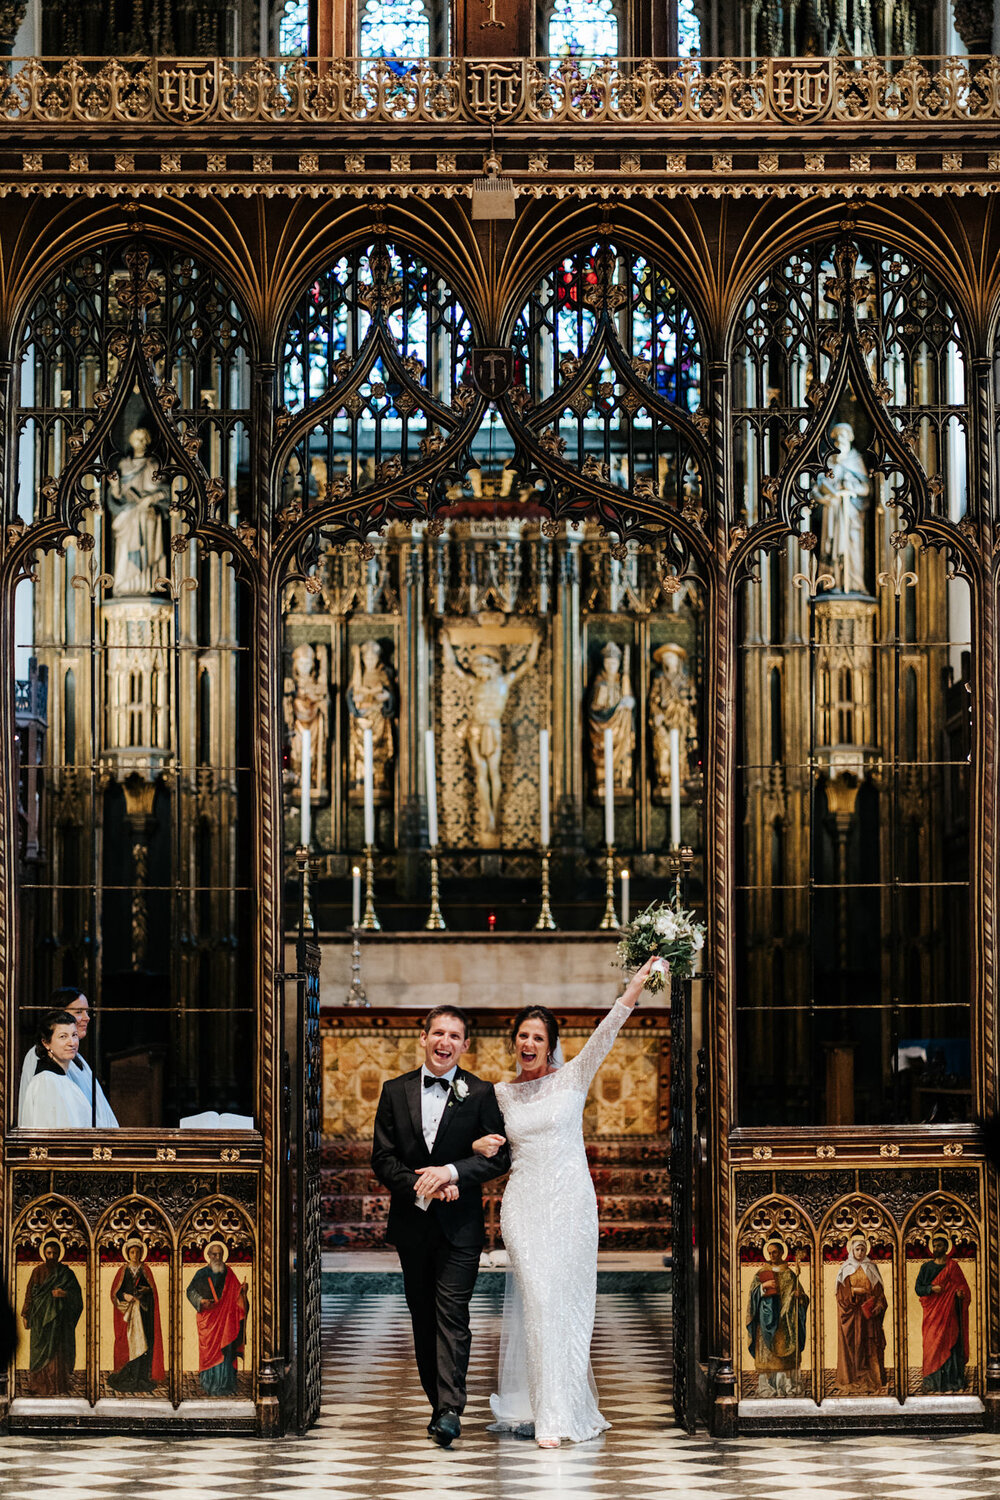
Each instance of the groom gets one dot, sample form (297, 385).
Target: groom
(425, 1125)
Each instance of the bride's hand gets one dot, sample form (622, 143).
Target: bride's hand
(638, 980)
(488, 1145)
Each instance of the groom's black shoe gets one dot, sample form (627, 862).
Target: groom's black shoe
(447, 1427)
(432, 1424)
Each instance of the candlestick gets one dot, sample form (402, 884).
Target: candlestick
(306, 923)
(432, 801)
(355, 897)
(370, 921)
(435, 921)
(609, 788)
(369, 778)
(356, 995)
(545, 922)
(626, 878)
(675, 788)
(610, 918)
(543, 786)
(679, 862)
(305, 788)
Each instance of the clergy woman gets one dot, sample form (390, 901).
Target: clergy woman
(71, 999)
(861, 1309)
(52, 1100)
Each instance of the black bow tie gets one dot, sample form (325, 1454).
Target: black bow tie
(430, 1081)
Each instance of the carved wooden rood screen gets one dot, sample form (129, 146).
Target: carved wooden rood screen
(703, 442)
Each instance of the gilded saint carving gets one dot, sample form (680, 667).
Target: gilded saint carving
(307, 713)
(611, 705)
(671, 706)
(372, 703)
(489, 680)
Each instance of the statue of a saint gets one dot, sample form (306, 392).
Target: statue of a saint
(612, 706)
(671, 706)
(842, 493)
(307, 712)
(490, 689)
(139, 500)
(371, 704)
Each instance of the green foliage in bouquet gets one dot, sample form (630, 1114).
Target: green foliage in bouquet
(664, 932)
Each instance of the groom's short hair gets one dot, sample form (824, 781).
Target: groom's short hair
(448, 1010)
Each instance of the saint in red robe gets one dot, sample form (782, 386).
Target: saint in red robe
(944, 1298)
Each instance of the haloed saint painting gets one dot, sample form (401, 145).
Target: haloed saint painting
(217, 1300)
(51, 1360)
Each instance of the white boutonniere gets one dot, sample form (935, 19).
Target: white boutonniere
(459, 1090)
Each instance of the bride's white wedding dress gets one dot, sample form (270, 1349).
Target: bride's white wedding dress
(549, 1224)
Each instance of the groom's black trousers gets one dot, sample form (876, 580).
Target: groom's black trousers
(438, 1279)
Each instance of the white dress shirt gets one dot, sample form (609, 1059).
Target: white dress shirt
(433, 1103)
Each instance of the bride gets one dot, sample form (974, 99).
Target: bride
(549, 1225)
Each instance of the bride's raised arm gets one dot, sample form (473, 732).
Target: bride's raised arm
(597, 1046)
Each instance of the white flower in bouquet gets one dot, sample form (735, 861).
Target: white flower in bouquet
(665, 932)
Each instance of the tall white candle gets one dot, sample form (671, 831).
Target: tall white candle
(675, 788)
(543, 785)
(432, 801)
(305, 787)
(355, 897)
(625, 897)
(369, 789)
(609, 789)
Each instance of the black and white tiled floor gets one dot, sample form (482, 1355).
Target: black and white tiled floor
(370, 1443)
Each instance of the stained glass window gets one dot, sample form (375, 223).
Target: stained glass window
(688, 30)
(395, 28)
(293, 28)
(583, 28)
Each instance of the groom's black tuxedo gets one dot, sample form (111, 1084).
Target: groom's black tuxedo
(438, 1247)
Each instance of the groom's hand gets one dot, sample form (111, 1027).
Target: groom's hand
(430, 1181)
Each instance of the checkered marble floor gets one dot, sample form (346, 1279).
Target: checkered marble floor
(370, 1443)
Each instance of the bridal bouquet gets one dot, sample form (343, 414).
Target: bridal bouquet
(664, 932)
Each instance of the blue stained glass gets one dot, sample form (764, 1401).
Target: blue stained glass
(688, 30)
(293, 29)
(395, 28)
(583, 28)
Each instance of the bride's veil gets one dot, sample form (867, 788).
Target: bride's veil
(512, 1404)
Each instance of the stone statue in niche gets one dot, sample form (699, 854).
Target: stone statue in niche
(307, 712)
(371, 704)
(490, 686)
(671, 706)
(611, 705)
(842, 493)
(139, 499)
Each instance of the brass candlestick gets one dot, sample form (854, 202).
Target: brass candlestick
(356, 995)
(435, 921)
(545, 922)
(679, 862)
(609, 922)
(305, 909)
(370, 921)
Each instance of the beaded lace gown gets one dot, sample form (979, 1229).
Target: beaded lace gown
(549, 1224)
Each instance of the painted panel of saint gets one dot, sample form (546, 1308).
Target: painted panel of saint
(137, 1293)
(941, 1315)
(50, 1303)
(858, 1323)
(216, 1345)
(777, 1321)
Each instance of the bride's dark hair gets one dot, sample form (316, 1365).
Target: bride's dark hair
(536, 1013)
